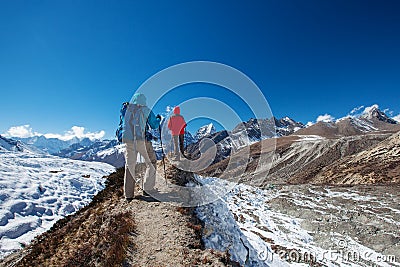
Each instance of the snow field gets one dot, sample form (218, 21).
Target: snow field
(37, 190)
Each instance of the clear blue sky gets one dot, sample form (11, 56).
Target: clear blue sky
(66, 63)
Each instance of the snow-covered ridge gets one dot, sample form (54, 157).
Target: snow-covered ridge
(36, 190)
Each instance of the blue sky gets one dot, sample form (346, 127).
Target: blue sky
(72, 63)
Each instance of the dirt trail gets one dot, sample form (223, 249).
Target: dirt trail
(112, 232)
(166, 237)
(166, 234)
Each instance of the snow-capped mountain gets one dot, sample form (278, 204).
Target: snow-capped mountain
(372, 120)
(246, 133)
(286, 126)
(205, 131)
(10, 145)
(258, 129)
(250, 131)
(7, 144)
(84, 151)
(374, 113)
(107, 151)
(53, 145)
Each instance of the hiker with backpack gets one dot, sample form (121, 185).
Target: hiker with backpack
(137, 119)
(177, 125)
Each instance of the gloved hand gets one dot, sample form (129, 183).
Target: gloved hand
(158, 116)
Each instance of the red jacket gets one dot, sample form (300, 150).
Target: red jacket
(176, 123)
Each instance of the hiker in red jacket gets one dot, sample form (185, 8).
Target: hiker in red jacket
(177, 125)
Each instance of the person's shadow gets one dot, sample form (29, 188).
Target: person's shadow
(174, 196)
(147, 198)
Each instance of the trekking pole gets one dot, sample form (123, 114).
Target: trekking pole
(185, 141)
(162, 156)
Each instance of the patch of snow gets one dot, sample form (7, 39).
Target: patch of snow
(309, 138)
(118, 149)
(364, 125)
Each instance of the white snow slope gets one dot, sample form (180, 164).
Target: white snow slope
(37, 190)
(243, 223)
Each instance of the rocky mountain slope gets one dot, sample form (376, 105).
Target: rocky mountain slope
(285, 157)
(379, 164)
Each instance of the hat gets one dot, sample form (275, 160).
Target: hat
(139, 99)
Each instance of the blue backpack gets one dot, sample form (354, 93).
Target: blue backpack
(120, 130)
(138, 128)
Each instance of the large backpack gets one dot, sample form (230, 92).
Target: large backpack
(138, 122)
(135, 127)
(120, 130)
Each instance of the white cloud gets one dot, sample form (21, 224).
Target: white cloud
(397, 118)
(77, 131)
(25, 131)
(325, 118)
(22, 131)
(368, 109)
(310, 123)
(169, 109)
(355, 110)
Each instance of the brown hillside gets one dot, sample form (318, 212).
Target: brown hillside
(379, 164)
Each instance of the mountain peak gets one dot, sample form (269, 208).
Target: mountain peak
(205, 130)
(374, 112)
